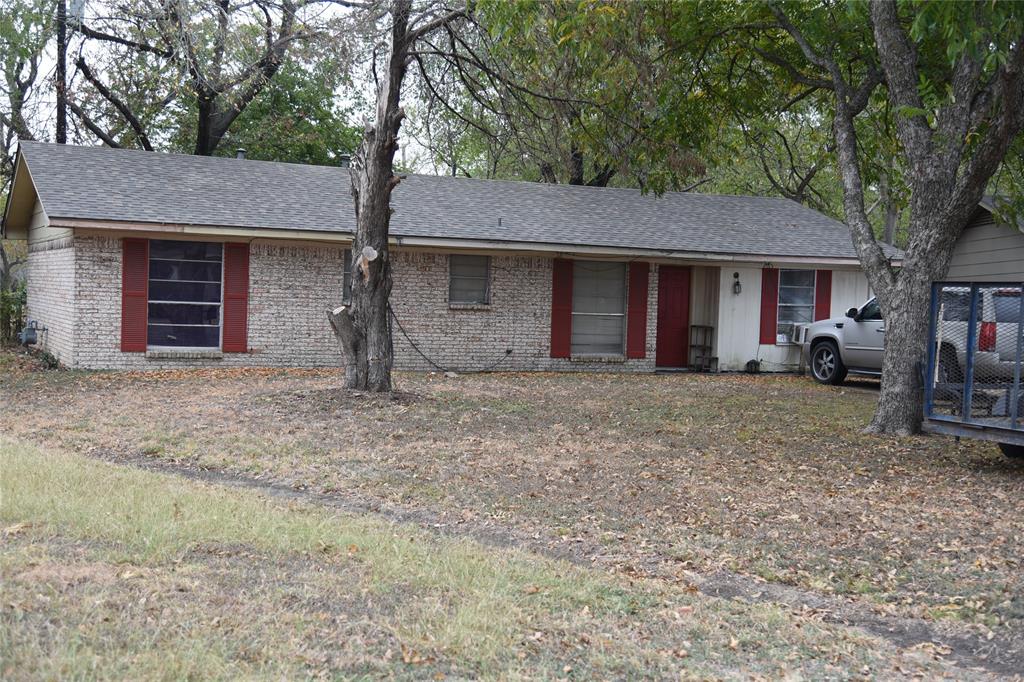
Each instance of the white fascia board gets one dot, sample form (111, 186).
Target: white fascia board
(442, 243)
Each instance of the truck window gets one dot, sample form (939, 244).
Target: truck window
(1007, 307)
(956, 307)
(871, 311)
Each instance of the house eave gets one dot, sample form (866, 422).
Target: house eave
(400, 241)
(21, 201)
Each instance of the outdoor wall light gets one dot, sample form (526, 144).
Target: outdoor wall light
(736, 286)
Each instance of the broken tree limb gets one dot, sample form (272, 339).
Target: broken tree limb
(345, 332)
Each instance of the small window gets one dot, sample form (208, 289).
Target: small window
(469, 279)
(346, 277)
(598, 308)
(184, 294)
(796, 300)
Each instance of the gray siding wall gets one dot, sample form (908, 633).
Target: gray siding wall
(987, 251)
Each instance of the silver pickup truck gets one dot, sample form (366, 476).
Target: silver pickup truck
(971, 397)
(853, 344)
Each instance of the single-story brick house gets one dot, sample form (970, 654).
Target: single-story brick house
(147, 260)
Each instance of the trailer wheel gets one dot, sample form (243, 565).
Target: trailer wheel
(1012, 450)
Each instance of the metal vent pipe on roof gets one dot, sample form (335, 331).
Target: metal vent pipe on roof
(239, 153)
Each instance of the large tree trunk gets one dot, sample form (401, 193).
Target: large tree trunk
(906, 305)
(900, 403)
(365, 335)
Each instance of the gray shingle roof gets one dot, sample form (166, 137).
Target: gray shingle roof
(135, 186)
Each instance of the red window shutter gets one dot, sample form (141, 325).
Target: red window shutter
(769, 305)
(134, 294)
(561, 308)
(636, 312)
(236, 298)
(822, 295)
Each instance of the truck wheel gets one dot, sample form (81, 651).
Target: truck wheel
(826, 365)
(1012, 450)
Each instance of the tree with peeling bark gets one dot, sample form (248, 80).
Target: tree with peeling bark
(363, 328)
(954, 76)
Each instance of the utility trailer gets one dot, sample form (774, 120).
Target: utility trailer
(972, 383)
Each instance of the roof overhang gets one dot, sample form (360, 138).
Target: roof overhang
(439, 243)
(990, 204)
(20, 202)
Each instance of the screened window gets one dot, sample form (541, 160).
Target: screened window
(598, 308)
(469, 279)
(184, 294)
(796, 300)
(346, 277)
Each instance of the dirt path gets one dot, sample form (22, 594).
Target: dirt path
(968, 647)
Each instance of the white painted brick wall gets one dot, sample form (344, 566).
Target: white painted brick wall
(518, 318)
(292, 287)
(290, 290)
(51, 278)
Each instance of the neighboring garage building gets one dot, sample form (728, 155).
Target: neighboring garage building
(988, 250)
(145, 260)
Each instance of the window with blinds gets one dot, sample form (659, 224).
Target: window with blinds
(469, 279)
(598, 308)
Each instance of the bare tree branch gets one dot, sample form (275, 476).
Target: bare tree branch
(118, 103)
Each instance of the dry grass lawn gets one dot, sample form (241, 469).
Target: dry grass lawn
(110, 572)
(663, 479)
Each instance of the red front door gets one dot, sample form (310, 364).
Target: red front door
(673, 316)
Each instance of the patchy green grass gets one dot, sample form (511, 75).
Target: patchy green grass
(109, 572)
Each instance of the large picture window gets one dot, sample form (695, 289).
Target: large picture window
(468, 279)
(796, 300)
(598, 308)
(185, 294)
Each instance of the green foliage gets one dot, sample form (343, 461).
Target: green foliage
(211, 77)
(297, 118)
(12, 312)
(571, 91)
(25, 28)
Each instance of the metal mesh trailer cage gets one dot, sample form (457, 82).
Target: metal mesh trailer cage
(972, 383)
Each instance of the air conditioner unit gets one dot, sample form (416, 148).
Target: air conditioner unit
(799, 334)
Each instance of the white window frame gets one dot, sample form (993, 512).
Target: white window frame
(219, 304)
(625, 302)
(486, 279)
(779, 305)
